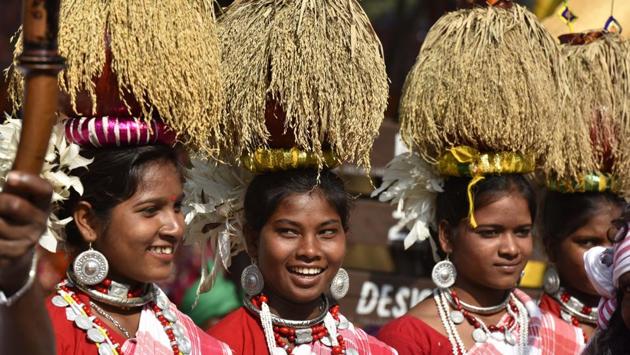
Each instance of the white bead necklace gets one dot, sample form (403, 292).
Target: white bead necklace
(521, 321)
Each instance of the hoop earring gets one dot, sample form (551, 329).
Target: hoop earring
(340, 284)
(90, 267)
(252, 280)
(551, 279)
(444, 274)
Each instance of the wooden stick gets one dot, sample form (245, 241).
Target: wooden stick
(41, 64)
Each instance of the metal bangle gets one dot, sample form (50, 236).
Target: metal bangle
(298, 324)
(477, 309)
(135, 302)
(9, 301)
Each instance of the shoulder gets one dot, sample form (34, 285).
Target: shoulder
(240, 330)
(358, 339)
(208, 343)
(68, 338)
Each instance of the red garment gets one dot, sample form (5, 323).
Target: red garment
(548, 304)
(243, 332)
(70, 339)
(411, 336)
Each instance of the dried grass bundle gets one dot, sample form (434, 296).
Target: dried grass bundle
(489, 78)
(320, 60)
(599, 74)
(165, 53)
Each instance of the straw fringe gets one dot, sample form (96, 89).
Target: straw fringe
(600, 81)
(320, 59)
(165, 53)
(488, 78)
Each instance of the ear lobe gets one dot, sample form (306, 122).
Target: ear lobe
(84, 219)
(444, 237)
(251, 241)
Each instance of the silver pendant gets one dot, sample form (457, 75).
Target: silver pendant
(498, 336)
(178, 330)
(184, 345)
(343, 323)
(303, 336)
(70, 315)
(105, 349)
(457, 317)
(509, 338)
(58, 301)
(326, 341)
(83, 322)
(95, 335)
(118, 290)
(169, 315)
(351, 351)
(162, 302)
(479, 336)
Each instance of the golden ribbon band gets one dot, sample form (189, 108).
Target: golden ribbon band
(467, 161)
(594, 182)
(268, 160)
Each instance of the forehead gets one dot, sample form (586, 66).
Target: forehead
(510, 209)
(308, 205)
(159, 178)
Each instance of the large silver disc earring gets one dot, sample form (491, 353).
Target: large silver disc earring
(90, 267)
(252, 280)
(551, 279)
(340, 284)
(444, 274)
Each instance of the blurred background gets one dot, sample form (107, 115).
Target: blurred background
(385, 280)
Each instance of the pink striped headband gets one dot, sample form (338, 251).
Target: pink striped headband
(108, 131)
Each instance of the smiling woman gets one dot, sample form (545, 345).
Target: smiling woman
(296, 224)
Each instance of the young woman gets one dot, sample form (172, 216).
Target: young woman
(125, 229)
(609, 271)
(296, 225)
(570, 225)
(476, 308)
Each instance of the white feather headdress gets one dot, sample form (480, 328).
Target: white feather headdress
(213, 209)
(413, 185)
(62, 157)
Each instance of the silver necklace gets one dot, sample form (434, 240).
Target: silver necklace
(109, 317)
(573, 308)
(289, 322)
(477, 309)
(118, 296)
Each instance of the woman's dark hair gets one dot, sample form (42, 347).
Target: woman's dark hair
(266, 191)
(111, 178)
(614, 340)
(562, 214)
(452, 204)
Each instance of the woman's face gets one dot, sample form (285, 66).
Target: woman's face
(145, 230)
(569, 256)
(300, 248)
(493, 254)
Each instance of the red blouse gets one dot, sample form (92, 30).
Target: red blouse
(411, 336)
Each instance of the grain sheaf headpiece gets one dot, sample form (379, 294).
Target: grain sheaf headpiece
(598, 66)
(144, 60)
(307, 83)
(484, 97)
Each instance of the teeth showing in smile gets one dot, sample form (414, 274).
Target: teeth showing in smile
(162, 250)
(308, 271)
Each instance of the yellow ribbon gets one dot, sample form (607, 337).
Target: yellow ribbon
(266, 160)
(468, 161)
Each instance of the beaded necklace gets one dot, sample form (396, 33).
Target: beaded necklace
(83, 318)
(517, 317)
(287, 334)
(572, 310)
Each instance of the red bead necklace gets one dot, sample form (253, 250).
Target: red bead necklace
(286, 336)
(166, 324)
(565, 297)
(472, 320)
